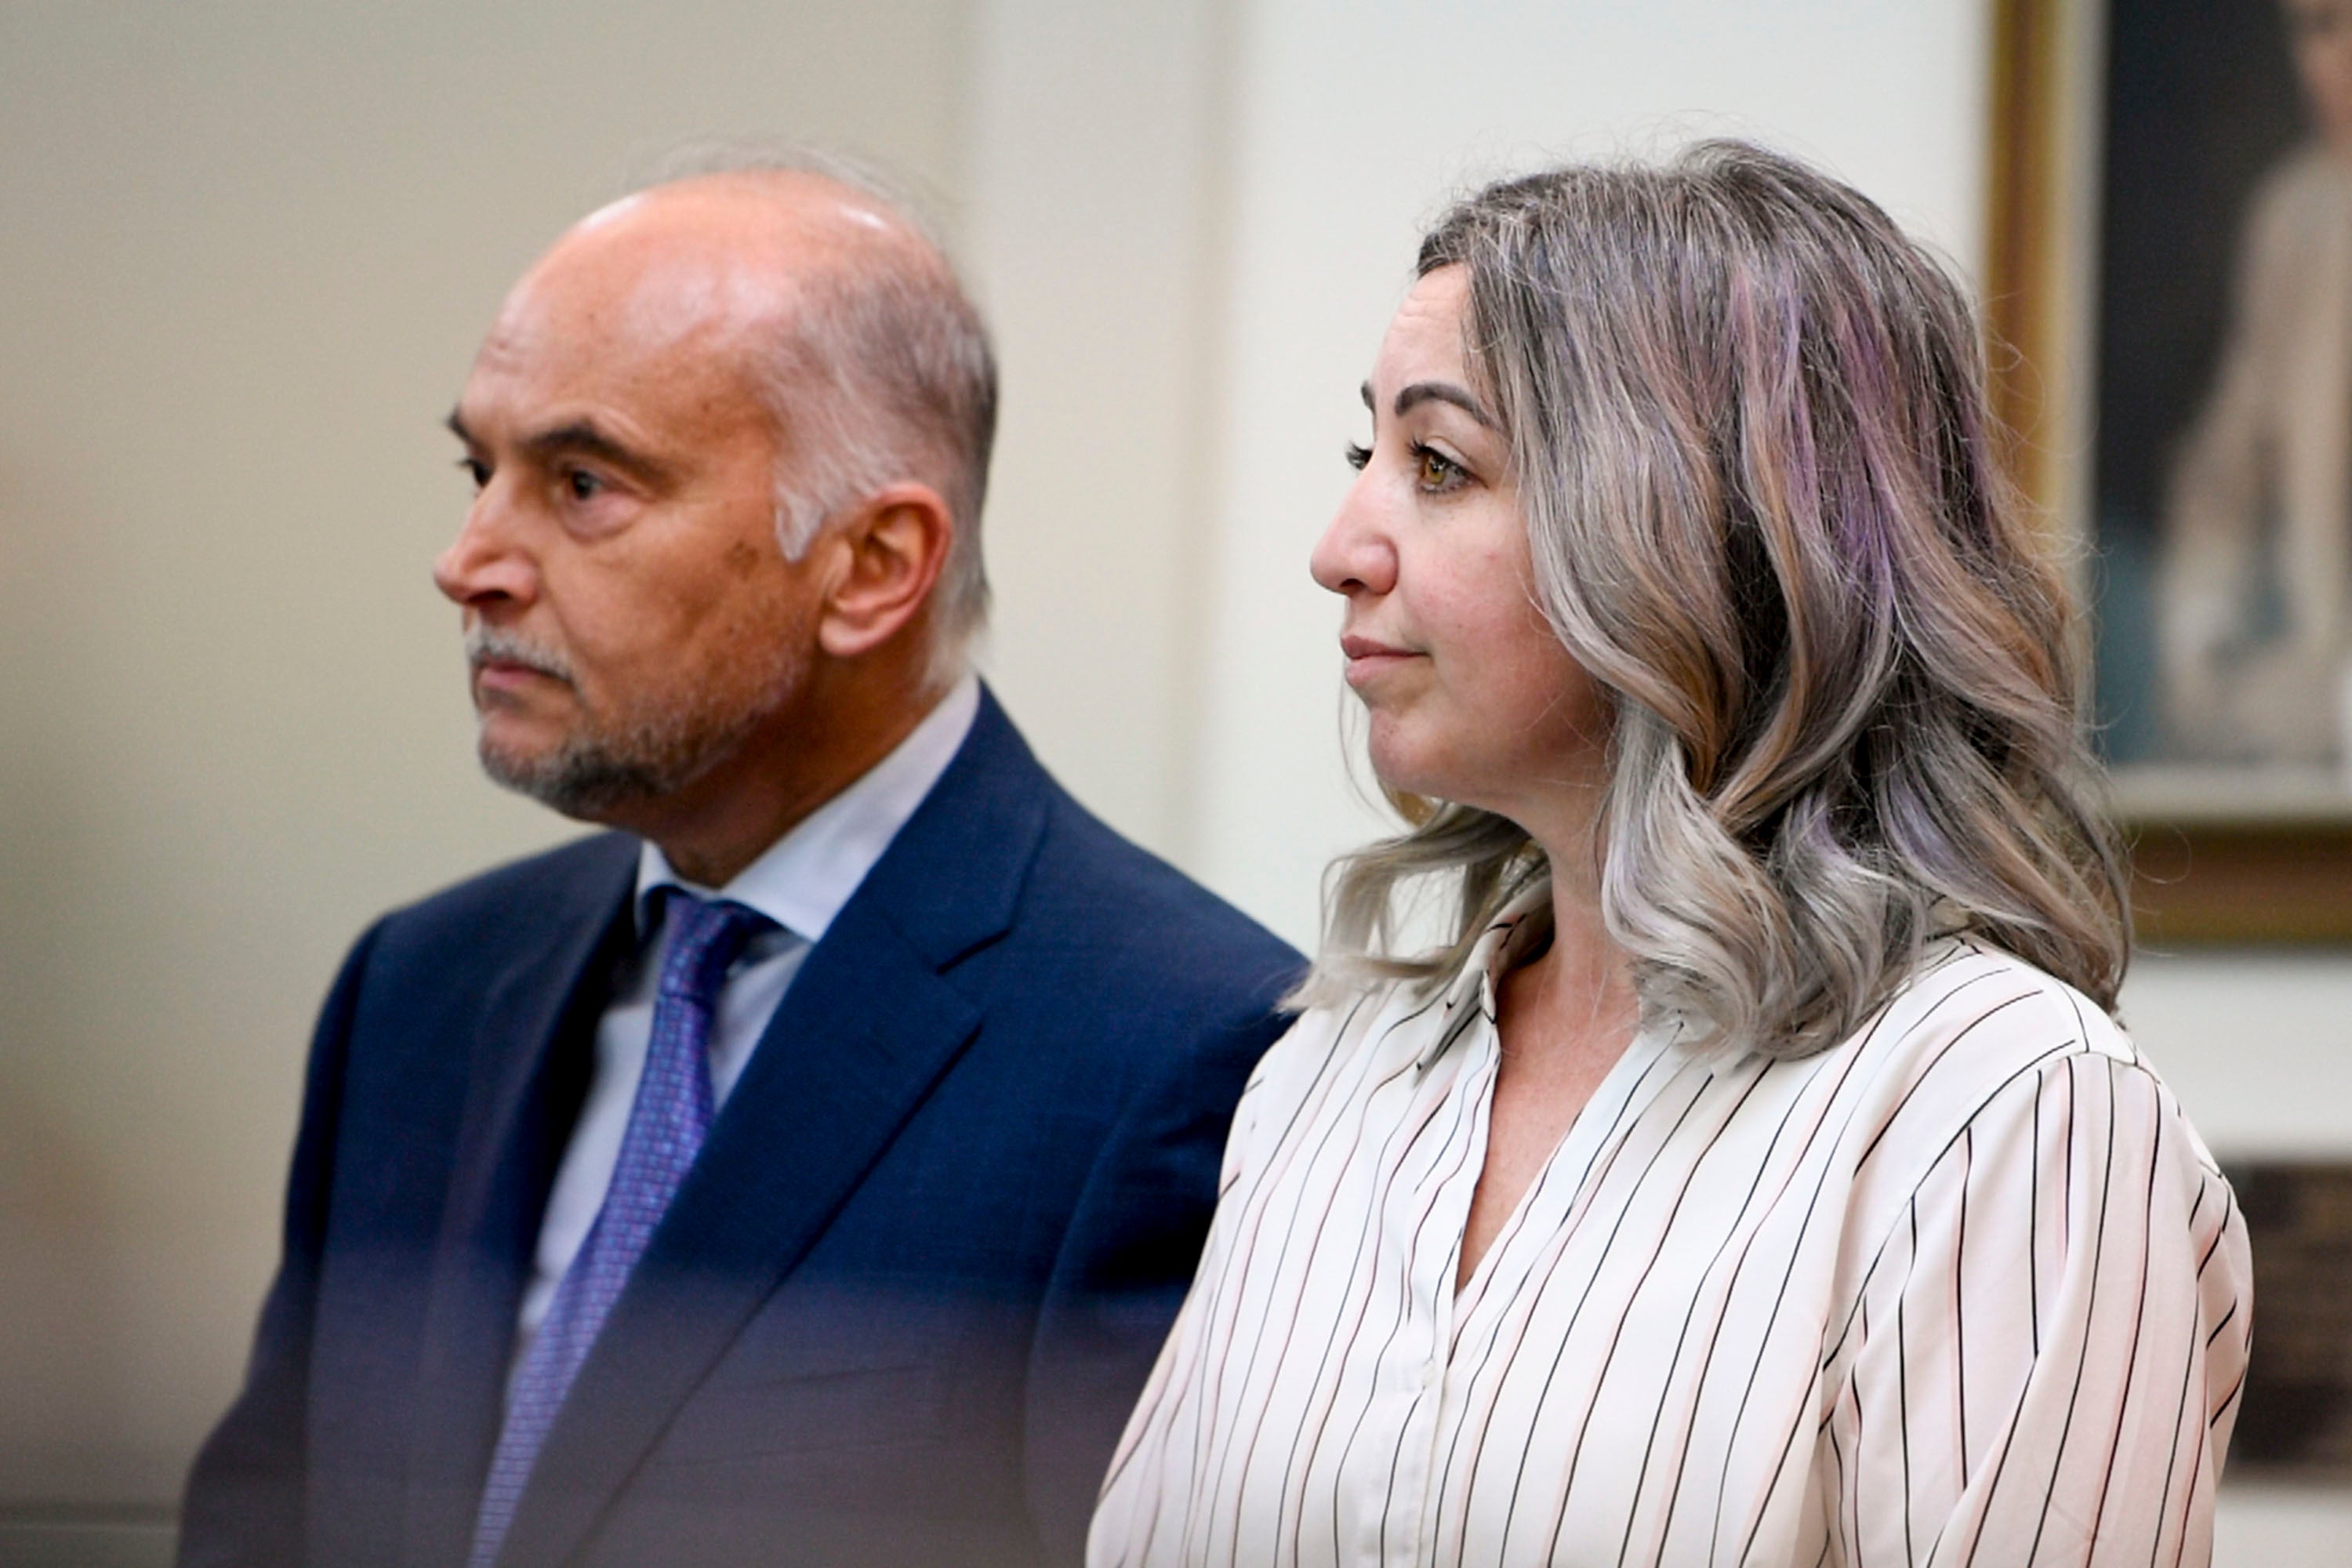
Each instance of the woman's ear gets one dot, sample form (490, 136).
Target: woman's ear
(894, 546)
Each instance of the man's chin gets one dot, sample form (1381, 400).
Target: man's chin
(587, 786)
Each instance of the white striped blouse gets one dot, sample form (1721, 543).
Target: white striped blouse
(1966, 1289)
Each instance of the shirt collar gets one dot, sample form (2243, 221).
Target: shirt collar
(803, 880)
(1482, 970)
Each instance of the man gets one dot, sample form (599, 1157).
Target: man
(808, 1171)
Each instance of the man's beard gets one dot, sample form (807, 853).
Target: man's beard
(606, 763)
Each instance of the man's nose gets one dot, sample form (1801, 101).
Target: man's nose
(1354, 554)
(485, 563)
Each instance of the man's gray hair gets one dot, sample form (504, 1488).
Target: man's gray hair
(883, 373)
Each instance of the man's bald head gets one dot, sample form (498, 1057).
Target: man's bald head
(846, 319)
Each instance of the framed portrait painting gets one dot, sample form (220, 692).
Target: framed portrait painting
(2169, 290)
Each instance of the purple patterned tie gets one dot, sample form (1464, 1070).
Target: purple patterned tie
(667, 1124)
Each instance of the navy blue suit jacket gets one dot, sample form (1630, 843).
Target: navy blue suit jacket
(899, 1308)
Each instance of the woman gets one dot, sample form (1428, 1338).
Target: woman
(1755, 1174)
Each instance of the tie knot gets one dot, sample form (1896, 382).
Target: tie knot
(705, 936)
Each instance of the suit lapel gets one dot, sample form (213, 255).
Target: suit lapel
(868, 1027)
(533, 1054)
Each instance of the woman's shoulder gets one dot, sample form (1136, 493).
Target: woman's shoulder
(1992, 1012)
(1973, 1038)
(1970, 1024)
(1990, 1097)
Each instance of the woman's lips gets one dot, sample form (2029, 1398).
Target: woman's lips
(1367, 657)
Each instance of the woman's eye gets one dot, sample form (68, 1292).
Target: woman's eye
(476, 470)
(1433, 471)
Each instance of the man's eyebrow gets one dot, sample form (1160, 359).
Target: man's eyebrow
(579, 437)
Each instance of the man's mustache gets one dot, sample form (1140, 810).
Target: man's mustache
(485, 644)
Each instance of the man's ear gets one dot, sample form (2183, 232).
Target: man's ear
(893, 546)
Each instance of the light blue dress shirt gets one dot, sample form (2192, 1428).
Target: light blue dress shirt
(800, 882)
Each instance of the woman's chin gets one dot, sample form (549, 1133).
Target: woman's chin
(1411, 776)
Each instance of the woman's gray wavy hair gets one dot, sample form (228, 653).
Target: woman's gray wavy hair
(1766, 506)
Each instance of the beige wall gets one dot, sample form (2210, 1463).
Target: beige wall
(1094, 181)
(246, 252)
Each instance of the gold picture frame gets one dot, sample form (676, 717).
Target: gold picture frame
(2237, 854)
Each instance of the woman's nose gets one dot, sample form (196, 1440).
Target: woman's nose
(1354, 554)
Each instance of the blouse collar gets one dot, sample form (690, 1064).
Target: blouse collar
(1482, 971)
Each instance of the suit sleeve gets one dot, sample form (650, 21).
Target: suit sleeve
(245, 1496)
(2045, 1361)
(1127, 1259)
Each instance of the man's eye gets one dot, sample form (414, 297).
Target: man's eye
(474, 469)
(583, 485)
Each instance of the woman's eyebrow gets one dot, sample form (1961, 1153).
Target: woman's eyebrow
(1445, 392)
